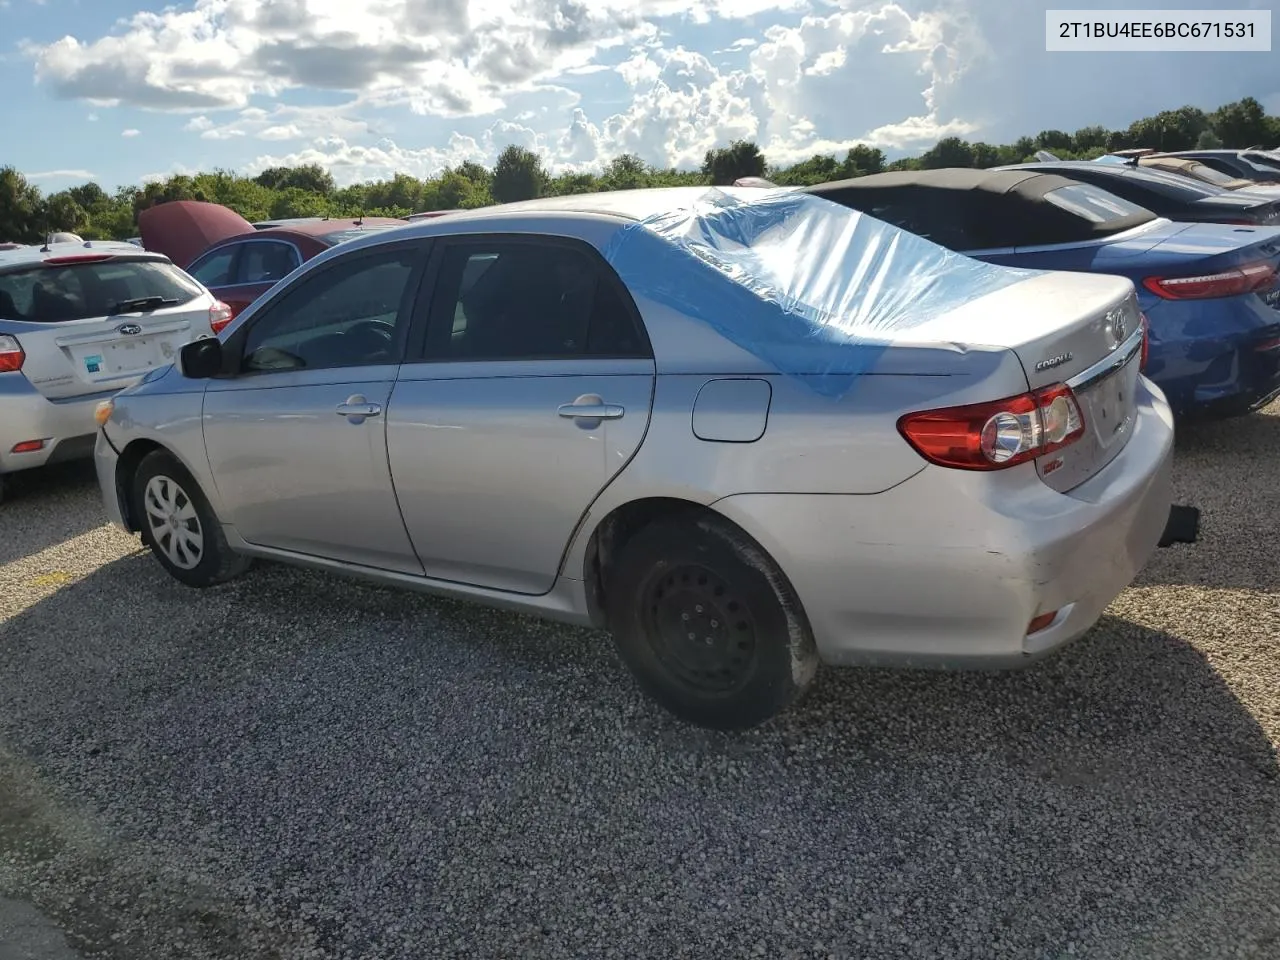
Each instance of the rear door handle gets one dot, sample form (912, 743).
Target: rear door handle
(357, 408)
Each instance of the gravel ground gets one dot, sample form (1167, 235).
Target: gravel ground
(299, 766)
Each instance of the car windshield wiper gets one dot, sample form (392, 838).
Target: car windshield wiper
(140, 304)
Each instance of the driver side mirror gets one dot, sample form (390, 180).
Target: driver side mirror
(201, 359)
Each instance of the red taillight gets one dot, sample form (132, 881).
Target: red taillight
(220, 315)
(77, 258)
(1228, 283)
(28, 446)
(11, 355)
(1146, 342)
(992, 436)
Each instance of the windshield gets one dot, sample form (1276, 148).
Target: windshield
(1212, 175)
(1094, 204)
(1186, 185)
(1269, 160)
(40, 293)
(341, 236)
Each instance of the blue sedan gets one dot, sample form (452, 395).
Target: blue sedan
(1210, 292)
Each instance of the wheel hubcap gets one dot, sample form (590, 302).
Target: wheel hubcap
(174, 525)
(701, 630)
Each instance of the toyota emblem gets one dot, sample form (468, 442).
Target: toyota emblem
(129, 329)
(1116, 328)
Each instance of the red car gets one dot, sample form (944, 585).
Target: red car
(237, 262)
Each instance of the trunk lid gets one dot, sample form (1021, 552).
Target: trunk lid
(1075, 328)
(1192, 248)
(1231, 206)
(93, 324)
(184, 229)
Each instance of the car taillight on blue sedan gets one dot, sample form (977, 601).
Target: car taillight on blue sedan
(1253, 278)
(999, 434)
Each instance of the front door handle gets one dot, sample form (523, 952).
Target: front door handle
(357, 408)
(590, 406)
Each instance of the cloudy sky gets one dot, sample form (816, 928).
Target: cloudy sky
(124, 90)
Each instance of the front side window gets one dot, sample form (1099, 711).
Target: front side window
(347, 314)
(214, 269)
(521, 301)
(1093, 203)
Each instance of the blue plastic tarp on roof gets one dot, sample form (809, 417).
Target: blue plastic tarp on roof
(805, 284)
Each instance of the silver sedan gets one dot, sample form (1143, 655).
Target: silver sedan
(744, 430)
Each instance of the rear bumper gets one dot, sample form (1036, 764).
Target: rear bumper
(949, 568)
(1216, 358)
(66, 427)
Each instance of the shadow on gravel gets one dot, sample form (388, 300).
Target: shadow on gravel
(405, 777)
(1231, 471)
(43, 508)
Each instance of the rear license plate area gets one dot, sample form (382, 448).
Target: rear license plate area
(121, 358)
(1109, 402)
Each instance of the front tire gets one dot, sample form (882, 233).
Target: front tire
(709, 626)
(179, 526)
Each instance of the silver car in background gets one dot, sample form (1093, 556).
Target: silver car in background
(508, 406)
(79, 321)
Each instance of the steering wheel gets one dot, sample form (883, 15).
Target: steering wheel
(369, 338)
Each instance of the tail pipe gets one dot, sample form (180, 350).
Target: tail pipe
(1183, 526)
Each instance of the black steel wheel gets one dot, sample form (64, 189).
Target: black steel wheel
(707, 623)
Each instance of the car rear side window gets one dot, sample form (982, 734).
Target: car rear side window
(932, 218)
(1092, 203)
(523, 301)
(266, 261)
(63, 292)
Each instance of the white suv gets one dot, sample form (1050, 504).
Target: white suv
(80, 321)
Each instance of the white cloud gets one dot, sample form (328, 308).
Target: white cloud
(61, 175)
(416, 85)
(131, 132)
(92, 118)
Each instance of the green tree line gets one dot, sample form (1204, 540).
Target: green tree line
(27, 215)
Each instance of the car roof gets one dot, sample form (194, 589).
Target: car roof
(318, 228)
(948, 178)
(34, 253)
(989, 208)
(1149, 174)
(631, 205)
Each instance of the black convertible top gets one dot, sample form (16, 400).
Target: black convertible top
(966, 209)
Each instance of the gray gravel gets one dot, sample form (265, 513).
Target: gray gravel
(299, 766)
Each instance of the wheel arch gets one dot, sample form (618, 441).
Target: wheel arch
(131, 457)
(611, 534)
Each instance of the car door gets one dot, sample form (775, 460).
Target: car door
(531, 389)
(296, 434)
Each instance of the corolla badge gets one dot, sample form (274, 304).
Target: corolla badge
(1050, 362)
(129, 329)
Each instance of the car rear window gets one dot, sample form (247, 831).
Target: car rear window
(77, 291)
(1093, 203)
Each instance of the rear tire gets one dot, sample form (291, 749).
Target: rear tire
(709, 626)
(179, 526)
